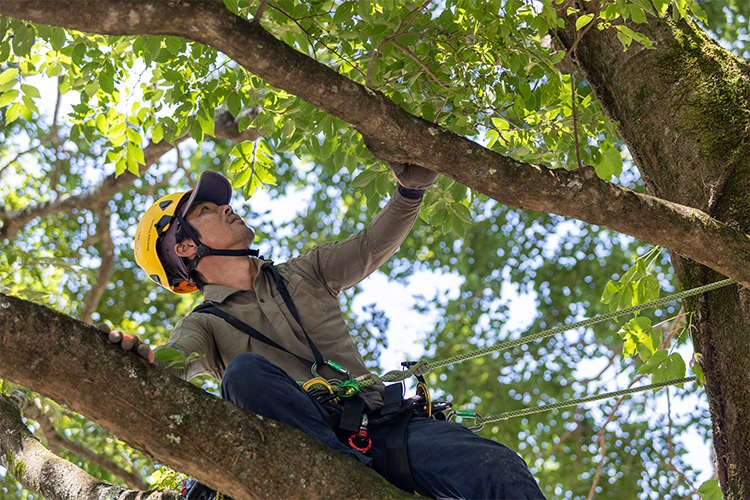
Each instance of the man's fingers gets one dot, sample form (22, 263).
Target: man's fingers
(145, 352)
(128, 341)
(104, 327)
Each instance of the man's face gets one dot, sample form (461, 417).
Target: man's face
(219, 227)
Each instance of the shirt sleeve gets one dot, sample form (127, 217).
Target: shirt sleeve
(191, 335)
(342, 264)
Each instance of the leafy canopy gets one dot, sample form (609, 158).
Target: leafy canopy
(78, 107)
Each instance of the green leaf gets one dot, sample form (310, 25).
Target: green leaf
(654, 361)
(23, 40)
(234, 103)
(676, 366)
(710, 490)
(661, 6)
(583, 21)
(364, 178)
(8, 75)
(157, 133)
(167, 354)
(30, 91)
(8, 97)
(106, 82)
(625, 39)
(102, 125)
(637, 14)
(57, 38)
(12, 113)
(135, 153)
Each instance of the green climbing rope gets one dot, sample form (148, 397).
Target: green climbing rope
(575, 402)
(423, 367)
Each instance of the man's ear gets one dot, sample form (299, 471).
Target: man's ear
(186, 249)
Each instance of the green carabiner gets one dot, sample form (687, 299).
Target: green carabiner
(467, 414)
(350, 386)
(337, 367)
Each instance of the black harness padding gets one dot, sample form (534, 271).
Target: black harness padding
(397, 469)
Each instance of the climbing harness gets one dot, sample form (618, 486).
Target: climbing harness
(346, 406)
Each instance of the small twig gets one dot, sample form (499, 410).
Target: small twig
(419, 61)
(16, 157)
(600, 439)
(402, 27)
(575, 118)
(56, 140)
(259, 11)
(569, 54)
(105, 268)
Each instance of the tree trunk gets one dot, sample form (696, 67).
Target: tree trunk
(48, 475)
(683, 110)
(230, 449)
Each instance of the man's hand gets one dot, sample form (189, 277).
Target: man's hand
(128, 342)
(413, 176)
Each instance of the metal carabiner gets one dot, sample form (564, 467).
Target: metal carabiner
(333, 366)
(466, 414)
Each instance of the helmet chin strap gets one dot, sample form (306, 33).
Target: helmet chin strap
(203, 250)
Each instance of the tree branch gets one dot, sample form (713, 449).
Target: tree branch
(34, 411)
(170, 419)
(46, 474)
(13, 222)
(395, 135)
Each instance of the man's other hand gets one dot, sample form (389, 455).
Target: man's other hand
(413, 176)
(128, 342)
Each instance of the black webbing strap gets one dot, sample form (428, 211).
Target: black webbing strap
(352, 416)
(397, 469)
(281, 287)
(207, 307)
(392, 397)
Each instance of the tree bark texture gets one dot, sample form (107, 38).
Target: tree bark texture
(48, 475)
(395, 135)
(180, 425)
(683, 109)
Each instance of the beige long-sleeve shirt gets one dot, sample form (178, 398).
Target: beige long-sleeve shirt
(314, 281)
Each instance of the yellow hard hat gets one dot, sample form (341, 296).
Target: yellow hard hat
(153, 225)
(156, 234)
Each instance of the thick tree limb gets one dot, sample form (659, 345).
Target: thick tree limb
(43, 472)
(34, 411)
(393, 134)
(13, 222)
(180, 425)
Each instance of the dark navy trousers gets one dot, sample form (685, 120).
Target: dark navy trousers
(447, 459)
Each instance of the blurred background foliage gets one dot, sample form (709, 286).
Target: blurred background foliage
(78, 108)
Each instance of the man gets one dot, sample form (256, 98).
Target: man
(267, 327)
